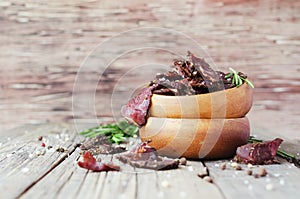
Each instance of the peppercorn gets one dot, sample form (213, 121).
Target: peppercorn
(249, 172)
(223, 166)
(262, 172)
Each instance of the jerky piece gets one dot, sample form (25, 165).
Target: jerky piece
(145, 156)
(136, 109)
(163, 91)
(101, 145)
(87, 161)
(258, 153)
(203, 68)
(211, 77)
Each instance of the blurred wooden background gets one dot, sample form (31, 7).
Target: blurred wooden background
(43, 44)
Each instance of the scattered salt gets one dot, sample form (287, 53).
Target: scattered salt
(190, 168)
(250, 166)
(234, 164)
(40, 152)
(217, 165)
(8, 155)
(25, 170)
(246, 182)
(165, 184)
(281, 182)
(269, 187)
(31, 156)
(277, 175)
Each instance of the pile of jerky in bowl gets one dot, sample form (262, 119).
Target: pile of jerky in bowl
(191, 77)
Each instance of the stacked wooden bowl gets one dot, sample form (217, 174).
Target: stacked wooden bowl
(206, 126)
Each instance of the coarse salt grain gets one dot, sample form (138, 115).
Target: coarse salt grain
(281, 182)
(234, 164)
(31, 156)
(250, 166)
(276, 175)
(165, 184)
(269, 187)
(25, 170)
(190, 168)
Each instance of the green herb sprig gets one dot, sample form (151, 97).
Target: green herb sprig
(236, 79)
(116, 132)
(289, 157)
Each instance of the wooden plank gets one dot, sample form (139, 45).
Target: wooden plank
(27, 162)
(281, 181)
(186, 184)
(67, 179)
(64, 175)
(178, 183)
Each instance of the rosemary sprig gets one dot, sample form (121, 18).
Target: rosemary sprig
(236, 79)
(117, 132)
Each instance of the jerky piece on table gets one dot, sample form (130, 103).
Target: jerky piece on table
(87, 161)
(258, 153)
(101, 145)
(145, 156)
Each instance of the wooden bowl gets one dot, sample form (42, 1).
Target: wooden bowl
(230, 103)
(196, 138)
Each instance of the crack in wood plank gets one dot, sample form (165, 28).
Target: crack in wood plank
(57, 163)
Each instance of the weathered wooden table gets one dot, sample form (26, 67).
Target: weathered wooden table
(28, 170)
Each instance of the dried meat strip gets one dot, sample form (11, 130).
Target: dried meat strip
(258, 153)
(87, 161)
(145, 156)
(136, 109)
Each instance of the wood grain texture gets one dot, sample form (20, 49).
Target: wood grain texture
(57, 175)
(231, 103)
(24, 161)
(196, 138)
(281, 181)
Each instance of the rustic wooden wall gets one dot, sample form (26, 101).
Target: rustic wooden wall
(43, 44)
